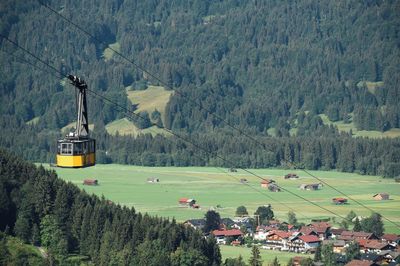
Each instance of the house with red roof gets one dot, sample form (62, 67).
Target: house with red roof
(277, 240)
(186, 202)
(392, 239)
(320, 229)
(353, 236)
(222, 235)
(303, 243)
(373, 246)
(339, 201)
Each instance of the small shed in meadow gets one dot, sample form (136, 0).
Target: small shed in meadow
(339, 201)
(90, 182)
(266, 182)
(153, 180)
(381, 196)
(291, 176)
(311, 186)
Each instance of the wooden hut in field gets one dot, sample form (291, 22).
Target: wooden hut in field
(291, 176)
(273, 187)
(316, 186)
(90, 182)
(265, 182)
(153, 180)
(339, 201)
(381, 196)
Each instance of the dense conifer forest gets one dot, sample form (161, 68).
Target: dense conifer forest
(259, 65)
(45, 211)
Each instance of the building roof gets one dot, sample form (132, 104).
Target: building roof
(231, 232)
(196, 222)
(381, 194)
(372, 244)
(359, 263)
(337, 231)
(335, 243)
(280, 233)
(320, 227)
(267, 181)
(391, 237)
(310, 239)
(351, 235)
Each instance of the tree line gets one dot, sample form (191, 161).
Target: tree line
(45, 211)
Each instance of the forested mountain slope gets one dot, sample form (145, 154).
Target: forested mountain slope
(260, 65)
(45, 211)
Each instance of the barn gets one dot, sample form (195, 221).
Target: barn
(381, 196)
(90, 182)
(339, 201)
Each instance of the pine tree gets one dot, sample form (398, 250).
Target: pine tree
(255, 259)
(357, 225)
(275, 262)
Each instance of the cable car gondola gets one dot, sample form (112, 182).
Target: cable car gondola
(77, 149)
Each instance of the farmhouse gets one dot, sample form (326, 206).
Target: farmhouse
(392, 239)
(277, 239)
(373, 246)
(301, 243)
(322, 229)
(195, 223)
(339, 201)
(222, 235)
(381, 196)
(338, 245)
(90, 182)
(291, 176)
(311, 186)
(153, 180)
(351, 235)
(186, 202)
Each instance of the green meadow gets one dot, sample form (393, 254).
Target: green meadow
(267, 256)
(219, 189)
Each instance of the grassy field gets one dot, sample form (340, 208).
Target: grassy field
(126, 127)
(108, 53)
(211, 187)
(154, 97)
(267, 256)
(392, 133)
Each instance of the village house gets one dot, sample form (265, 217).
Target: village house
(381, 196)
(277, 240)
(311, 186)
(336, 232)
(354, 236)
(90, 182)
(153, 180)
(373, 246)
(392, 239)
(338, 245)
(303, 243)
(322, 229)
(222, 235)
(195, 223)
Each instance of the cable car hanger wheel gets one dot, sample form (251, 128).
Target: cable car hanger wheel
(77, 149)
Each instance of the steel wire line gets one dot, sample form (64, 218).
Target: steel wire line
(165, 84)
(123, 108)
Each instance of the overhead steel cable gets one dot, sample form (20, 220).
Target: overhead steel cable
(165, 84)
(130, 113)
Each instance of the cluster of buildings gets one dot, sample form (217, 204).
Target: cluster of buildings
(374, 250)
